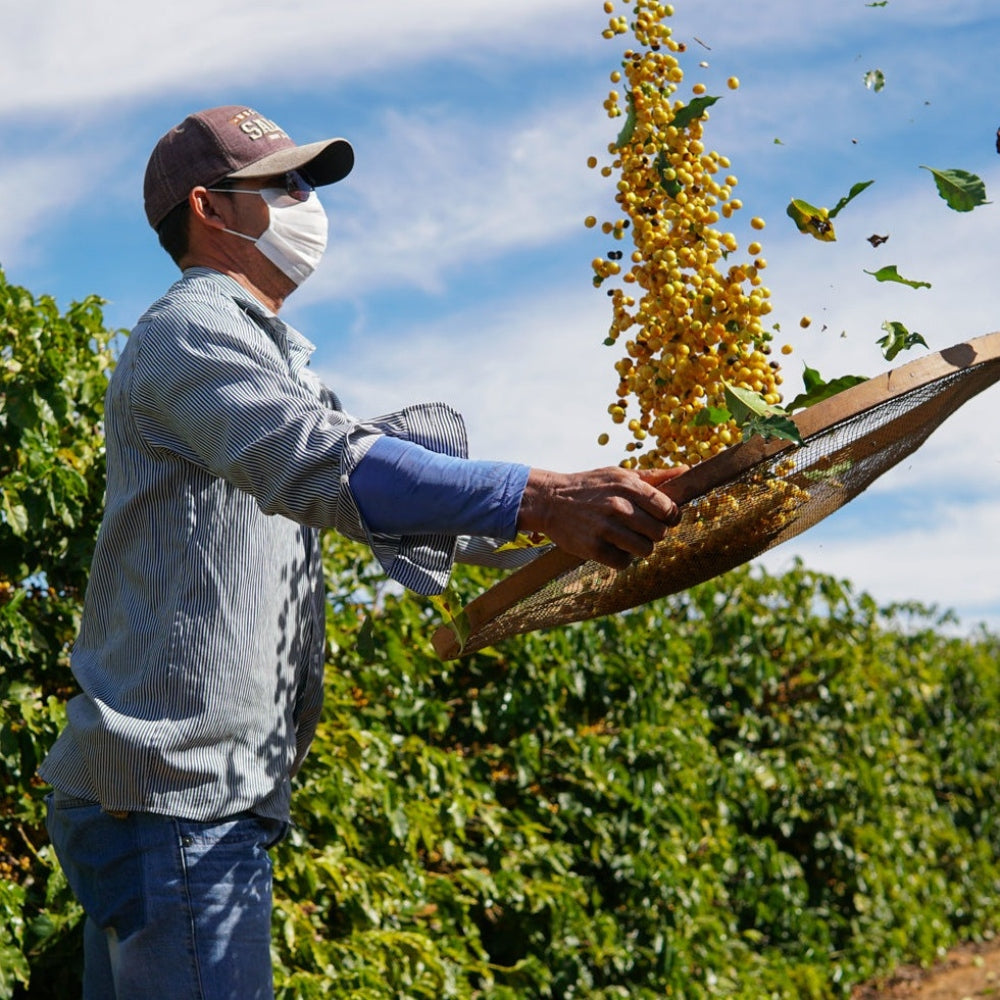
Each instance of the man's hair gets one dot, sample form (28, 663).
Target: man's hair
(173, 231)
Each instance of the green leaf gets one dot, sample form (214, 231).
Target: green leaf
(849, 197)
(525, 540)
(693, 110)
(14, 513)
(811, 220)
(834, 472)
(961, 190)
(818, 389)
(875, 80)
(774, 426)
(628, 129)
(755, 416)
(668, 179)
(711, 416)
(817, 222)
(890, 273)
(898, 339)
(446, 605)
(366, 641)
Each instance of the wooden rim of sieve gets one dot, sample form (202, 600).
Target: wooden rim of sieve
(728, 466)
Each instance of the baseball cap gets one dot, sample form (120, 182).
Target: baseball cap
(233, 142)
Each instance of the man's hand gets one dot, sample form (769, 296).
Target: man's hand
(611, 515)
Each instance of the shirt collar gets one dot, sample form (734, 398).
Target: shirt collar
(296, 348)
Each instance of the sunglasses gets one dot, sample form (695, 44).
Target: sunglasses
(291, 183)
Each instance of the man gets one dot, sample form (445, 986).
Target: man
(200, 656)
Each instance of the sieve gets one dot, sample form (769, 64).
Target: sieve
(742, 502)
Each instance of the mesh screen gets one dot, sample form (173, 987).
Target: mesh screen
(736, 520)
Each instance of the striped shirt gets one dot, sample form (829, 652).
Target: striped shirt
(200, 654)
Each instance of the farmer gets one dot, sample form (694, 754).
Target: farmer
(200, 655)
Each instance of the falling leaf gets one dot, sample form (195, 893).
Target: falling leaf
(961, 190)
(811, 220)
(876, 241)
(711, 416)
(755, 416)
(897, 338)
(817, 388)
(875, 80)
(849, 197)
(889, 273)
(816, 222)
(695, 109)
(631, 120)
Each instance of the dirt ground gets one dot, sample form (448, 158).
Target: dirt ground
(966, 974)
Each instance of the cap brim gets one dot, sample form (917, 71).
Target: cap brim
(321, 162)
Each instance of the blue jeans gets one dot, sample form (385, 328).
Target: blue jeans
(176, 909)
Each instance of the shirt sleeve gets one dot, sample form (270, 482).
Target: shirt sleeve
(223, 398)
(403, 488)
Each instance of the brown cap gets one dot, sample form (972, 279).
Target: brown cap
(233, 141)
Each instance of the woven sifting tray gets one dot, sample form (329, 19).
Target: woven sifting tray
(743, 501)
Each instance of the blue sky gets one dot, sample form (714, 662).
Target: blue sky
(459, 264)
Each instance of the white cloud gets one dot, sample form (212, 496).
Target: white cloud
(450, 189)
(528, 377)
(949, 561)
(443, 191)
(53, 59)
(774, 24)
(40, 188)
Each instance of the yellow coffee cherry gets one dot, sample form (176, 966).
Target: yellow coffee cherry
(733, 83)
(695, 319)
(805, 322)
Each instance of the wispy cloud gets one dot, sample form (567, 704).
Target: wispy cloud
(529, 376)
(948, 561)
(458, 182)
(446, 192)
(53, 59)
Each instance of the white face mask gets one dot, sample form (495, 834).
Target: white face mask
(295, 238)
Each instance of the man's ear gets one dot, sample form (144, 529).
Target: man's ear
(204, 205)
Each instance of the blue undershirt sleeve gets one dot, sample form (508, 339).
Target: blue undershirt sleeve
(402, 488)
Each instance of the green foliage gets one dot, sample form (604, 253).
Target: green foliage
(764, 787)
(759, 788)
(53, 372)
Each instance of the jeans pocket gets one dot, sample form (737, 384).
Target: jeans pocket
(102, 860)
